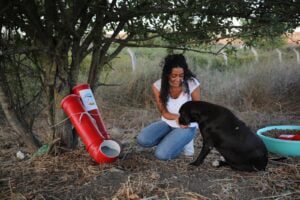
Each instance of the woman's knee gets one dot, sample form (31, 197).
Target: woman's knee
(164, 154)
(191, 132)
(161, 155)
(143, 141)
(152, 134)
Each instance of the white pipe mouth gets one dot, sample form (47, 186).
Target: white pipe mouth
(110, 148)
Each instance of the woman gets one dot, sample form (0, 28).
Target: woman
(176, 86)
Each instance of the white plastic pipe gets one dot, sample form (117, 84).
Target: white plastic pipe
(297, 56)
(255, 54)
(279, 55)
(133, 59)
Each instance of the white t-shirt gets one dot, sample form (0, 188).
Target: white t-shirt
(173, 105)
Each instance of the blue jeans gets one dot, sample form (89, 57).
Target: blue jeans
(170, 141)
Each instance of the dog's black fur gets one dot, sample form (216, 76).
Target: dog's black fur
(221, 129)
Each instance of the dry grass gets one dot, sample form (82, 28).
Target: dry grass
(138, 175)
(252, 88)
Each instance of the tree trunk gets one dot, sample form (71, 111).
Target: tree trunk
(94, 68)
(24, 135)
(61, 81)
(57, 82)
(63, 130)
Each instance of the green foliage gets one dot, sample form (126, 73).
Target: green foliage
(265, 37)
(267, 42)
(43, 150)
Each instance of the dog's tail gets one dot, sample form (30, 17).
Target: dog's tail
(263, 167)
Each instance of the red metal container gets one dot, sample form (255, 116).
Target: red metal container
(89, 102)
(101, 151)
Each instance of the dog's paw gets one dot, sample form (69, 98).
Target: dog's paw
(216, 163)
(222, 159)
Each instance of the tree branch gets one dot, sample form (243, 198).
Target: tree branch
(169, 47)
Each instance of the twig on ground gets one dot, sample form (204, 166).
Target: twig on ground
(197, 196)
(10, 188)
(277, 196)
(150, 198)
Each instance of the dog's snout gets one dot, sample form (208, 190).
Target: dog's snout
(182, 120)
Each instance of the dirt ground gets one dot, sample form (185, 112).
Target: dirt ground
(136, 174)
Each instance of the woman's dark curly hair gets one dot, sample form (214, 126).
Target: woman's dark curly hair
(170, 62)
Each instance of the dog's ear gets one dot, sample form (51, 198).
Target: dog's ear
(198, 116)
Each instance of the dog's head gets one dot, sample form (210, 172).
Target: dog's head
(186, 113)
(192, 111)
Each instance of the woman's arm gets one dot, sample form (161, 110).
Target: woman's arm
(162, 109)
(196, 94)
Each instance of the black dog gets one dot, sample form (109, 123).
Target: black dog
(220, 128)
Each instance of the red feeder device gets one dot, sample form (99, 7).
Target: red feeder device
(102, 151)
(289, 137)
(88, 100)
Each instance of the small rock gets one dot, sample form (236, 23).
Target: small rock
(116, 170)
(20, 155)
(154, 176)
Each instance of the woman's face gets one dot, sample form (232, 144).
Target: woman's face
(176, 77)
